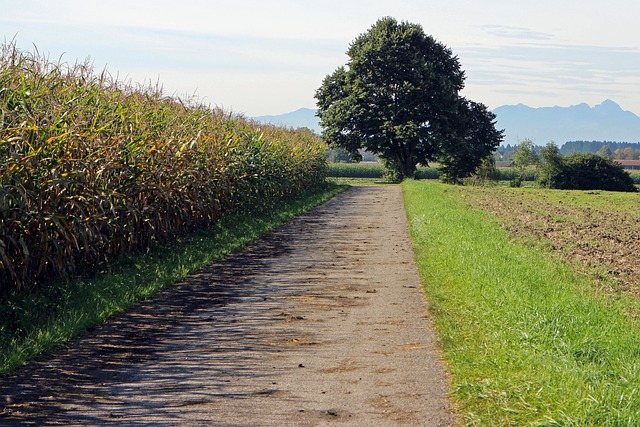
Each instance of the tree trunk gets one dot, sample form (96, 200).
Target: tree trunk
(407, 167)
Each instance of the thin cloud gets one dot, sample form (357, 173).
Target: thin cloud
(543, 73)
(555, 58)
(519, 33)
(546, 50)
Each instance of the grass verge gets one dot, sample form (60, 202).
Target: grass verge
(39, 322)
(526, 341)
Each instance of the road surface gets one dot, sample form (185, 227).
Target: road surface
(321, 322)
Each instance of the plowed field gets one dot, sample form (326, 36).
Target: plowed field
(599, 231)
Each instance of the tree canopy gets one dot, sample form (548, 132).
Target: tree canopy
(398, 97)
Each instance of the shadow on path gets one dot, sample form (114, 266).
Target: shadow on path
(226, 346)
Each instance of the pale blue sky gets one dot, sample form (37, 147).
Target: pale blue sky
(268, 57)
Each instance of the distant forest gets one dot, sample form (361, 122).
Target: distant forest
(596, 146)
(617, 150)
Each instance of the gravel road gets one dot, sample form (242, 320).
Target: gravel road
(321, 322)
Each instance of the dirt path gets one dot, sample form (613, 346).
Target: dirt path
(322, 322)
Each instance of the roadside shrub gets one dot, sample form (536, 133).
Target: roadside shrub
(485, 173)
(92, 168)
(392, 170)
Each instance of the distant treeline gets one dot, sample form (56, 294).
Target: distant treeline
(582, 146)
(595, 146)
(613, 149)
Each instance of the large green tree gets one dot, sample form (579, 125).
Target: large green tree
(398, 97)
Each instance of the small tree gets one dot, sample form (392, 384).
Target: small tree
(550, 166)
(487, 171)
(523, 157)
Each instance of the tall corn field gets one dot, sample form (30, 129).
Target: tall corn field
(92, 168)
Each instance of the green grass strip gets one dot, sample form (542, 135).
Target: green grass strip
(39, 322)
(526, 342)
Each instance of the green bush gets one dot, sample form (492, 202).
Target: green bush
(584, 171)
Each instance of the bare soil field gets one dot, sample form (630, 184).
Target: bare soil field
(600, 230)
(321, 322)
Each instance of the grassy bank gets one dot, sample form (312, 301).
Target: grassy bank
(526, 340)
(43, 319)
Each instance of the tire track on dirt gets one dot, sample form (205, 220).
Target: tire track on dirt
(321, 322)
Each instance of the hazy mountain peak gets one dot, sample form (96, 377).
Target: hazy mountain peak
(608, 106)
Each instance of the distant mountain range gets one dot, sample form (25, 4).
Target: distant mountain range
(302, 118)
(604, 122)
